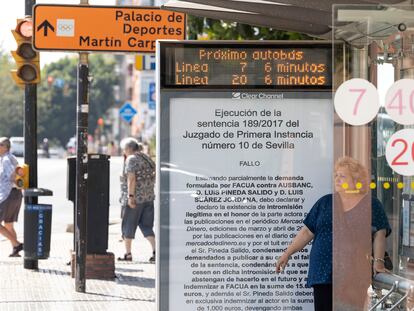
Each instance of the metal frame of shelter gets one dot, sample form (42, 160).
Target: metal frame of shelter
(375, 33)
(378, 35)
(313, 17)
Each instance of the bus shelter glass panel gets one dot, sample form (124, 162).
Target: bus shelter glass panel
(374, 128)
(245, 151)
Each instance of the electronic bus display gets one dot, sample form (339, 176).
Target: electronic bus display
(246, 66)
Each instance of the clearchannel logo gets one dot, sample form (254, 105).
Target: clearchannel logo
(240, 95)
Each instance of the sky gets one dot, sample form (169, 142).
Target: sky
(15, 10)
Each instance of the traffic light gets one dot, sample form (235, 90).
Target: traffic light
(22, 176)
(27, 59)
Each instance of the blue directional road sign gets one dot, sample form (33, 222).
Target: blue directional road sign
(127, 112)
(151, 96)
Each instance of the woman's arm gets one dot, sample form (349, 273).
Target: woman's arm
(303, 237)
(379, 250)
(131, 190)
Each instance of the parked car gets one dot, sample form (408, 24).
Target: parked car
(17, 146)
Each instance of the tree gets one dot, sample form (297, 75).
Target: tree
(11, 103)
(212, 29)
(57, 95)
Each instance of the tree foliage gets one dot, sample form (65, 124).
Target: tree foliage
(57, 95)
(11, 103)
(211, 29)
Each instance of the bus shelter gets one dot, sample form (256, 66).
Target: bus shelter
(379, 48)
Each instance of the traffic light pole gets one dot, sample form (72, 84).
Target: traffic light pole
(30, 134)
(81, 200)
(30, 140)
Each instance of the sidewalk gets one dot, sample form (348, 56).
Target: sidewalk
(52, 288)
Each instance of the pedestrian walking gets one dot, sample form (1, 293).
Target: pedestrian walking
(137, 196)
(10, 196)
(45, 148)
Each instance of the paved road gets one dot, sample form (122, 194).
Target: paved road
(52, 174)
(51, 287)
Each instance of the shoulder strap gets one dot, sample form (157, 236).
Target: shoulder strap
(147, 159)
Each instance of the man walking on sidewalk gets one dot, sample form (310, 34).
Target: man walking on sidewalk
(10, 196)
(137, 196)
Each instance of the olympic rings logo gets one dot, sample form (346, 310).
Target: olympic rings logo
(65, 27)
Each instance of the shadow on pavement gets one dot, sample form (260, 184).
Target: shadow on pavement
(52, 271)
(118, 298)
(135, 281)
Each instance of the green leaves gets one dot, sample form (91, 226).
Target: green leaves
(211, 29)
(57, 98)
(11, 103)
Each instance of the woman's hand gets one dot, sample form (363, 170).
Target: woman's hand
(282, 262)
(379, 251)
(379, 266)
(303, 237)
(131, 202)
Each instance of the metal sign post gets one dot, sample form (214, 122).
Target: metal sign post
(30, 138)
(115, 29)
(81, 202)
